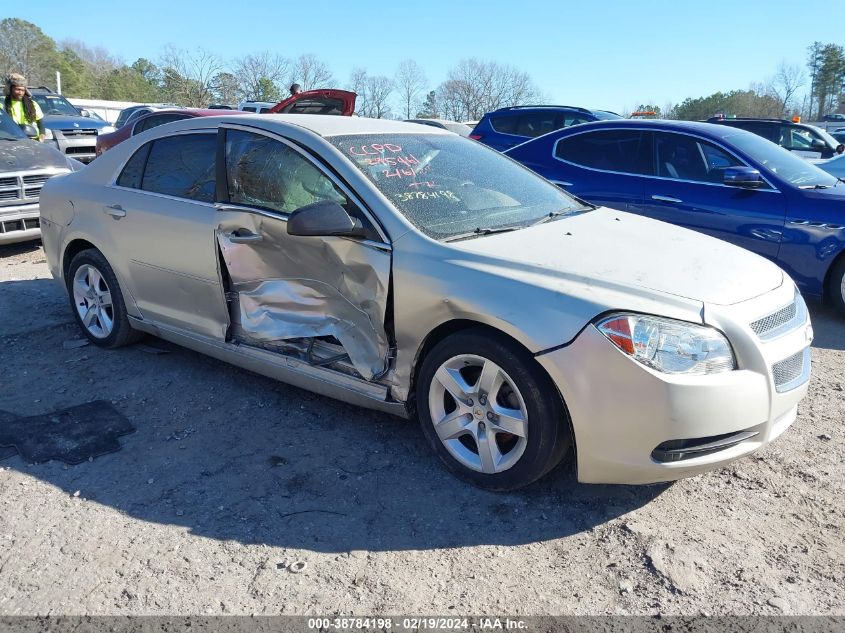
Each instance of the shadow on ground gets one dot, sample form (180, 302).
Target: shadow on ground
(231, 455)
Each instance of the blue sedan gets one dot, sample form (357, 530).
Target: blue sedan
(722, 181)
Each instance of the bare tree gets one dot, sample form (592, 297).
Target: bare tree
(310, 73)
(788, 79)
(410, 82)
(379, 89)
(99, 60)
(190, 78)
(252, 69)
(475, 87)
(358, 85)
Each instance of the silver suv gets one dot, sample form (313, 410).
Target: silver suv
(74, 132)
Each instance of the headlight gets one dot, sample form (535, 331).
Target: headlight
(673, 347)
(107, 129)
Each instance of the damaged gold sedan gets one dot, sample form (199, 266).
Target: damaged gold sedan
(409, 270)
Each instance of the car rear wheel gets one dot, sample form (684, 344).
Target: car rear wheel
(490, 412)
(97, 301)
(836, 289)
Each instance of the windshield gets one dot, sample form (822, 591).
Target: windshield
(449, 186)
(828, 138)
(9, 130)
(55, 104)
(782, 163)
(604, 115)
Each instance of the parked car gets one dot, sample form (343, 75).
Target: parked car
(805, 140)
(452, 126)
(406, 269)
(839, 135)
(261, 107)
(135, 112)
(508, 127)
(25, 165)
(322, 101)
(72, 131)
(835, 118)
(835, 167)
(151, 120)
(716, 179)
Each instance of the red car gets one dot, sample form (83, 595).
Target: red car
(323, 101)
(151, 120)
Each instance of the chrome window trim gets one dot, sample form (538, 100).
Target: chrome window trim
(320, 166)
(772, 188)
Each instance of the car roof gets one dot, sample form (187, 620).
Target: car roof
(328, 125)
(699, 127)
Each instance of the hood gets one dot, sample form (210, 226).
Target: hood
(65, 122)
(616, 250)
(24, 154)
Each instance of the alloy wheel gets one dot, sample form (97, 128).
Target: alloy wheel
(93, 301)
(478, 413)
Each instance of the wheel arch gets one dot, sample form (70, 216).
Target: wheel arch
(454, 326)
(73, 248)
(826, 289)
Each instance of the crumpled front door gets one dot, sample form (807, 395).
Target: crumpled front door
(292, 287)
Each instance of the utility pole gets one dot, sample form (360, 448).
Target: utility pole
(58, 82)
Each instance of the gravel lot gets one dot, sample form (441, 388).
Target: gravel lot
(231, 477)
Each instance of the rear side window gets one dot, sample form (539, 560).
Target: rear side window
(133, 171)
(182, 166)
(504, 123)
(626, 151)
(154, 121)
(534, 124)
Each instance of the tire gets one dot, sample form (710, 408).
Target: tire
(836, 286)
(467, 430)
(97, 301)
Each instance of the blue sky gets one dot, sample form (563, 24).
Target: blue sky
(610, 54)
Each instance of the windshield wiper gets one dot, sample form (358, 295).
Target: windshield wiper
(548, 217)
(487, 230)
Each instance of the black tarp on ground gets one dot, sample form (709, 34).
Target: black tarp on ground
(71, 435)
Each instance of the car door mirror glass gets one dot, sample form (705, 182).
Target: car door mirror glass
(324, 219)
(745, 177)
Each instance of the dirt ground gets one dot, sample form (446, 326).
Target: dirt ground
(230, 478)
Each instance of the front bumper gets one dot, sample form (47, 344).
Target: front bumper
(624, 414)
(19, 223)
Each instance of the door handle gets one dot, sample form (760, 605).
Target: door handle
(244, 236)
(115, 210)
(667, 199)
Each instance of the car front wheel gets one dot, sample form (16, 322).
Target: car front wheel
(490, 412)
(97, 301)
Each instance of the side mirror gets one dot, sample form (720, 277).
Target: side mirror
(818, 144)
(85, 113)
(744, 177)
(324, 219)
(30, 130)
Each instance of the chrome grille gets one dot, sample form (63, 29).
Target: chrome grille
(79, 132)
(774, 320)
(792, 371)
(781, 321)
(22, 187)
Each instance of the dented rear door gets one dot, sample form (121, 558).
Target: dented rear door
(284, 287)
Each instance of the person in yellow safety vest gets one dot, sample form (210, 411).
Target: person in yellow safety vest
(20, 104)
